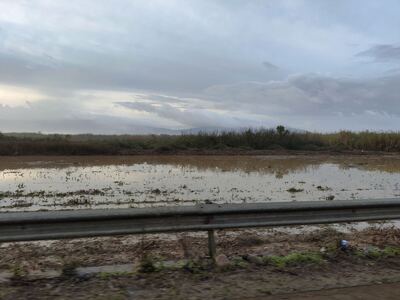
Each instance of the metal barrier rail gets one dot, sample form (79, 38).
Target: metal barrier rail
(42, 225)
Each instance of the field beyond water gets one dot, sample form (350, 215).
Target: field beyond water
(225, 142)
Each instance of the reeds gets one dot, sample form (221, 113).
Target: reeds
(250, 139)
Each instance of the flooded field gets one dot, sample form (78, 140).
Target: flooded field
(48, 183)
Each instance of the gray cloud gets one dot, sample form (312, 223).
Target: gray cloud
(74, 45)
(270, 66)
(47, 117)
(311, 94)
(303, 101)
(336, 103)
(382, 53)
(188, 118)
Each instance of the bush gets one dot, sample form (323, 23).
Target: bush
(250, 139)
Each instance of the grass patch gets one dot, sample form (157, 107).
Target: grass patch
(294, 190)
(376, 253)
(294, 259)
(148, 264)
(18, 271)
(197, 266)
(69, 268)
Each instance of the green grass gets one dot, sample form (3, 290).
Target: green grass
(251, 139)
(376, 253)
(294, 259)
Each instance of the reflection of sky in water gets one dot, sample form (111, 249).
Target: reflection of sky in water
(147, 184)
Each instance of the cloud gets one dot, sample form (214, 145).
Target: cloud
(168, 46)
(304, 101)
(16, 95)
(382, 53)
(308, 101)
(270, 66)
(189, 117)
(311, 94)
(131, 65)
(65, 118)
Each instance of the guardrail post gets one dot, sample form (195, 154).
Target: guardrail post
(212, 249)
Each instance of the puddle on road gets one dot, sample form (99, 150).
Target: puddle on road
(37, 183)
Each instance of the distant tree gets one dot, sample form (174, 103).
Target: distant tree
(282, 130)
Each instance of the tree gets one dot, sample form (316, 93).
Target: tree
(282, 130)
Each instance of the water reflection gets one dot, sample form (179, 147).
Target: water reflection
(31, 183)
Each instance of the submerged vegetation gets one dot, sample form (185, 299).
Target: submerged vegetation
(246, 140)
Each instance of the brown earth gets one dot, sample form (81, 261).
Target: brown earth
(130, 249)
(251, 282)
(245, 280)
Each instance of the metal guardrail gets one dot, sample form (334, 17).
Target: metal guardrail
(28, 226)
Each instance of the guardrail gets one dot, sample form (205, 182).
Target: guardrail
(42, 225)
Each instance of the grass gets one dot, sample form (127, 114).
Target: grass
(297, 258)
(247, 140)
(148, 264)
(203, 266)
(18, 271)
(198, 266)
(376, 253)
(294, 190)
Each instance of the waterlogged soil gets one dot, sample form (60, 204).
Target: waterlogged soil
(52, 183)
(45, 255)
(245, 279)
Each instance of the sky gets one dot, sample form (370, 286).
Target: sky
(161, 66)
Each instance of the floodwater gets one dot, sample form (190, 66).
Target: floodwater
(49, 183)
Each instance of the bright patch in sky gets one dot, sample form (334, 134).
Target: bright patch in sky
(16, 96)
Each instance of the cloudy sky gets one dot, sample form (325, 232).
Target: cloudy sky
(139, 66)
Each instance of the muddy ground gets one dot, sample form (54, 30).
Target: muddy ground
(130, 249)
(260, 263)
(252, 282)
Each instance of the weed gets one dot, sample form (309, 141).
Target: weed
(69, 268)
(197, 266)
(148, 264)
(323, 188)
(294, 259)
(251, 139)
(376, 253)
(294, 190)
(240, 262)
(18, 271)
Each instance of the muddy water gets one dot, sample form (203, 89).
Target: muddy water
(34, 183)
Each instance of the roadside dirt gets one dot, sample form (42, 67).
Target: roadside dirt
(247, 279)
(252, 282)
(389, 291)
(130, 249)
